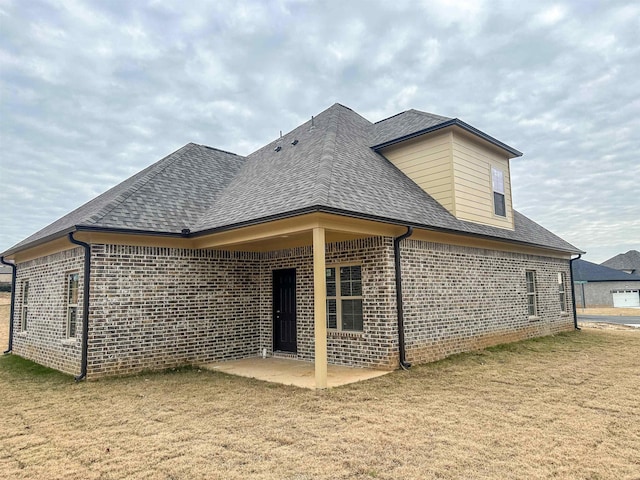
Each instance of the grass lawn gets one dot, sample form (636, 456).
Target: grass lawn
(559, 407)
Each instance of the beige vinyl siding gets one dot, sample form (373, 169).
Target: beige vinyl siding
(454, 167)
(473, 189)
(428, 162)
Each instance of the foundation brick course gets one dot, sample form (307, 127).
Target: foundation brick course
(156, 307)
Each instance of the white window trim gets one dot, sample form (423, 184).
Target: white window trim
(338, 298)
(71, 305)
(533, 294)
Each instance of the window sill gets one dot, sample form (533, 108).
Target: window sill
(534, 318)
(343, 334)
(564, 314)
(23, 333)
(68, 342)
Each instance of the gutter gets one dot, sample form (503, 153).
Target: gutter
(85, 305)
(375, 218)
(450, 123)
(85, 228)
(13, 302)
(396, 256)
(281, 216)
(573, 292)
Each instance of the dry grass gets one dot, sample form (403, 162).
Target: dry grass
(559, 407)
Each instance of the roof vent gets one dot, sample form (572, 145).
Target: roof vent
(277, 149)
(295, 142)
(186, 231)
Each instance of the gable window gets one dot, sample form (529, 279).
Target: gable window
(25, 308)
(72, 304)
(562, 292)
(532, 301)
(344, 298)
(497, 180)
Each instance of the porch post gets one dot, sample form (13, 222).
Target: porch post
(320, 307)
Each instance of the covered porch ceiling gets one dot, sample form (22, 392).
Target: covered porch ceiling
(295, 232)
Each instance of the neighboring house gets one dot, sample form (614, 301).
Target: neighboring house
(5, 277)
(599, 286)
(626, 262)
(208, 255)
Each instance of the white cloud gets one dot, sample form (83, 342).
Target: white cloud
(121, 84)
(550, 16)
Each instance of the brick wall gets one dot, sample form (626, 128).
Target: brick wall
(459, 298)
(155, 307)
(45, 339)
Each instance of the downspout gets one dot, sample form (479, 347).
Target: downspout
(573, 292)
(396, 254)
(85, 305)
(13, 302)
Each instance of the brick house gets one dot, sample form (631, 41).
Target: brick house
(343, 242)
(601, 286)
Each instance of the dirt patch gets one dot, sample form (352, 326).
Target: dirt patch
(5, 298)
(4, 327)
(614, 312)
(557, 407)
(606, 326)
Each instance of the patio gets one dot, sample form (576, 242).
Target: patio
(292, 372)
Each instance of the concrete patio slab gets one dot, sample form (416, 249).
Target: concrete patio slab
(292, 372)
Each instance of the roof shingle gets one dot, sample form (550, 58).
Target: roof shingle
(331, 167)
(625, 261)
(592, 272)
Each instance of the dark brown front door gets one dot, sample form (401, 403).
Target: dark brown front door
(284, 310)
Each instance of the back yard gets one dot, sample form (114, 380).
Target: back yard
(559, 407)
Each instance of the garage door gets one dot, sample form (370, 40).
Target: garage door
(626, 298)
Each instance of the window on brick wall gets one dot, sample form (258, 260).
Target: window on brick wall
(532, 300)
(344, 298)
(72, 304)
(562, 291)
(25, 307)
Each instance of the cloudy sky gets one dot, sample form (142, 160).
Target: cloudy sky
(92, 92)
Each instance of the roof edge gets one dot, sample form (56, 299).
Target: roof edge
(450, 123)
(364, 216)
(90, 228)
(38, 242)
(280, 216)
